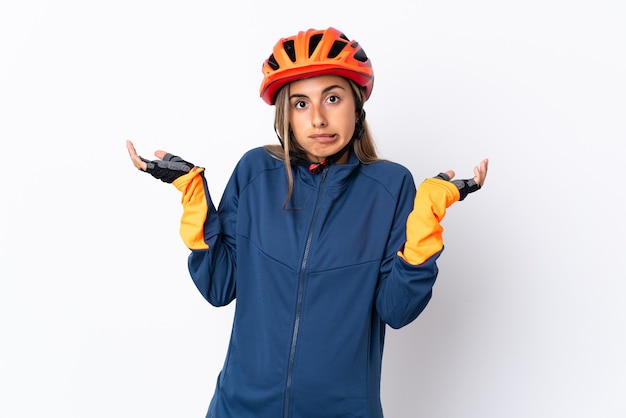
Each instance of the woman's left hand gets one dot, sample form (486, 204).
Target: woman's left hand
(468, 186)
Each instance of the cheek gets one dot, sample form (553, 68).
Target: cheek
(295, 123)
(348, 122)
(297, 130)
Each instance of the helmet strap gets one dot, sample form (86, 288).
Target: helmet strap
(359, 129)
(315, 168)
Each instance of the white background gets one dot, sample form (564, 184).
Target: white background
(98, 317)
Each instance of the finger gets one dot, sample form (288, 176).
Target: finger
(131, 148)
(450, 174)
(137, 162)
(480, 172)
(160, 154)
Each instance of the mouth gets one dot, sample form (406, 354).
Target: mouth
(324, 138)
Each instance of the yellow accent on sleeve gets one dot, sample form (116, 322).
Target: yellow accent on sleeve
(195, 209)
(424, 233)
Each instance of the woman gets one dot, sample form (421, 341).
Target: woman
(322, 243)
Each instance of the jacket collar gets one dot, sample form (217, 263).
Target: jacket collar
(335, 175)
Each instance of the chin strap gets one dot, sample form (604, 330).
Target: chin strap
(316, 168)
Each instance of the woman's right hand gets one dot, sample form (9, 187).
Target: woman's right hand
(166, 167)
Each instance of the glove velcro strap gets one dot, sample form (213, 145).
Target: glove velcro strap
(466, 187)
(168, 169)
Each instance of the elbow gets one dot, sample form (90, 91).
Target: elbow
(220, 300)
(398, 318)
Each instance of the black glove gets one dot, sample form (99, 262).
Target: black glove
(465, 187)
(169, 168)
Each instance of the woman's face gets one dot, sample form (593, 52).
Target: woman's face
(322, 114)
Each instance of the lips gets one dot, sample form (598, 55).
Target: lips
(324, 138)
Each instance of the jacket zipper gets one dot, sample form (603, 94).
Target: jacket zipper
(300, 296)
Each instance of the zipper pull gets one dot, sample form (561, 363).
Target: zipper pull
(324, 172)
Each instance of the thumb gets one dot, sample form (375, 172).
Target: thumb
(160, 154)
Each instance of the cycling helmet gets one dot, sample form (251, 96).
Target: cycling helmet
(312, 53)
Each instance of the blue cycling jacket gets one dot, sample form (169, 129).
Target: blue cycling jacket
(316, 280)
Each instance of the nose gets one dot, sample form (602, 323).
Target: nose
(318, 118)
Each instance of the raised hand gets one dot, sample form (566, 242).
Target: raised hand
(167, 167)
(467, 186)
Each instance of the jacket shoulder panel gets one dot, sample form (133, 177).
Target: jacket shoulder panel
(390, 175)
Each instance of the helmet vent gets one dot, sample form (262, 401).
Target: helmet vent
(271, 61)
(337, 47)
(290, 49)
(360, 56)
(313, 42)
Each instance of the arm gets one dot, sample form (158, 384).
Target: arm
(406, 289)
(210, 263)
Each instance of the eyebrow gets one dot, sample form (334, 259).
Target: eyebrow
(326, 90)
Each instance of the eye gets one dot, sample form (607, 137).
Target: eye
(333, 98)
(300, 104)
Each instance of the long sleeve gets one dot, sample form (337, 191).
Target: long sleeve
(211, 262)
(407, 281)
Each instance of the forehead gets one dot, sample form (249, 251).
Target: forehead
(318, 84)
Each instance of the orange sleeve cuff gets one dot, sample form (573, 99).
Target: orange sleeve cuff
(424, 233)
(195, 209)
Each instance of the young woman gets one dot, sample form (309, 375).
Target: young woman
(322, 243)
